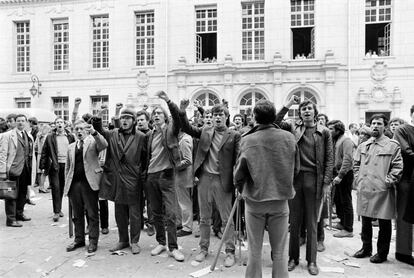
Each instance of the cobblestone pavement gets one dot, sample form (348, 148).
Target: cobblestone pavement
(38, 250)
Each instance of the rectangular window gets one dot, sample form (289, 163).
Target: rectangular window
(61, 107)
(100, 42)
(96, 102)
(144, 37)
(23, 102)
(22, 46)
(253, 31)
(206, 34)
(377, 28)
(60, 44)
(302, 14)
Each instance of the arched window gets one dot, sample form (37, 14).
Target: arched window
(249, 100)
(303, 94)
(208, 99)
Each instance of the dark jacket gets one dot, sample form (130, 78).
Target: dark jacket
(267, 164)
(324, 154)
(229, 149)
(49, 159)
(170, 138)
(124, 166)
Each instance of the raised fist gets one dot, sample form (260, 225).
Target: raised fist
(119, 105)
(162, 95)
(78, 101)
(145, 107)
(104, 106)
(184, 104)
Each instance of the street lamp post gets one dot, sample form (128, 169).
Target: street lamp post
(35, 89)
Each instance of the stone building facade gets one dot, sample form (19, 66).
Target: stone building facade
(352, 58)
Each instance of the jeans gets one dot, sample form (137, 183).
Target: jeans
(210, 189)
(275, 214)
(161, 191)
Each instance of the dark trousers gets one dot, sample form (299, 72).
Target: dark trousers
(304, 202)
(404, 233)
(343, 201)
(320, 234)
(57, 184)
(103, 213)
(83, 198)
(128, 215)
(145, 201)
(196, 209)
(384, 236)
(161, 193)
(15, 208)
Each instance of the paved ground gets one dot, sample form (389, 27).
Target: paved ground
(38, 250)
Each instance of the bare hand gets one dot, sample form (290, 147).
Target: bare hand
(293, 100)
(78, 101)
(119, 106)
(162, 95)
(197, 103)
(249, 111)
(337, 180)
(104, 107)
(89, 129)
(327, 192)
(184, 104)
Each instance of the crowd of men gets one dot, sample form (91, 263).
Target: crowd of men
(287, 175)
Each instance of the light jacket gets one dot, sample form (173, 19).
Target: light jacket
(344, 149)
(184, 171)
(378, 167)
(92, 145)
(8, 148)
(267, 164)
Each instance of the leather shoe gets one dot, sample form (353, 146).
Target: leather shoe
(105, 231)
(313, 269)
(30, 202)
(23, 218)
(14, 224)
(119, 246)
(74, 245)
(182, 233)
(377, 259)
(292, 264)
(363, 253)
(92, 247)
(408, 259)
(56, 217)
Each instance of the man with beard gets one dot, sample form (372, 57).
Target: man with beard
(122, 176)
(343, 150)
(17, 163)
(216, 156)
(404, 238)
(83, 175)
(311, 184)
(378, 167)
(53, 159)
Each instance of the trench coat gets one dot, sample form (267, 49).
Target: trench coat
(377, 169)
(122, 179)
